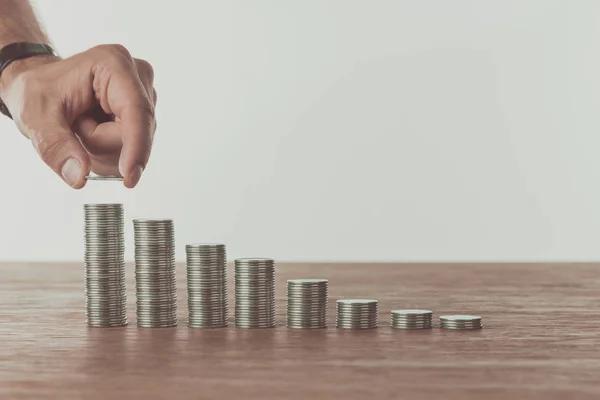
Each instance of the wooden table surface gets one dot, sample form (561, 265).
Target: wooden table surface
(541, 339)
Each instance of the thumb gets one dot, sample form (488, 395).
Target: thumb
(60, 149)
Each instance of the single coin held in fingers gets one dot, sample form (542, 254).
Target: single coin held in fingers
(104, 178)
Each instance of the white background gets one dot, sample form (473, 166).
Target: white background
(342, 130)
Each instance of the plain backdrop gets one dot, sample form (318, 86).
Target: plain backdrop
(342, 130)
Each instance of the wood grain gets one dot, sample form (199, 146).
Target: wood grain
(541, 339)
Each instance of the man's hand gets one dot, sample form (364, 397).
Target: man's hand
(92, 111)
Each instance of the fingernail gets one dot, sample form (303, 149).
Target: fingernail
(136, 174)
(71, 171)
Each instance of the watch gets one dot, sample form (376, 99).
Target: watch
(19, 51)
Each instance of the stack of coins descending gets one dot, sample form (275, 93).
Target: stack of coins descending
(207, 285)
(411, 319)
(254, 293)
(357, 313)
(105, 291)
(460, 322)
(306, 303)
(156, 287)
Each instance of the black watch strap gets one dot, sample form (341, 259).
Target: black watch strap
(18, 51)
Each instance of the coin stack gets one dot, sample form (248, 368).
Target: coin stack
(207, 285)
(306, 303)
(357, 313)
(411, 319)
(254, 293)
(460, 322)
(156, 287)
(105, 291)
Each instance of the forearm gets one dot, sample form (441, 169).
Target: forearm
(93, 111)
(18, 23)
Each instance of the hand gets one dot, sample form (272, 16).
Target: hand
(93, 111)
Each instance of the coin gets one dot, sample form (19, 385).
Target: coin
(104, 178)
(411, 319)
(357, 313)
(105, 289)
(206, 265)
(254, 292)
(155, 279)
(461, 322)
(306, 303)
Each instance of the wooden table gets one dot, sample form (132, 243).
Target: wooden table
(541, 340)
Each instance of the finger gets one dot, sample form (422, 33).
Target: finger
(60, 149)
(96, 136)
(146, 74)
(102, 142)
(123, 94)
(139, 124)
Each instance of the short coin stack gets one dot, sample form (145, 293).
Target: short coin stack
(156, 287)
(105, 291)
(254, 293)
(207, 285)
(460, 322)
(357, 313)
(411, 319)
(306, 303)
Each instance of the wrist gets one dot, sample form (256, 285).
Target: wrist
(17, 67)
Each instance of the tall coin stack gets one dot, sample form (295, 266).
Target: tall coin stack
(411, 319)
(306, 303)
(357, 313)
(156, 286)
(460, 322)
(105, 291)
(254, 293)
(207, 285)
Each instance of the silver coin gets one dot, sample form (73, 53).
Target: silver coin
(155, 273)
(462, 322)
(306, 303)
(411, 312)
(254, 293)
(460, 318)
(105, 287)
(104, 178)
(206, 267)
(357, 313)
